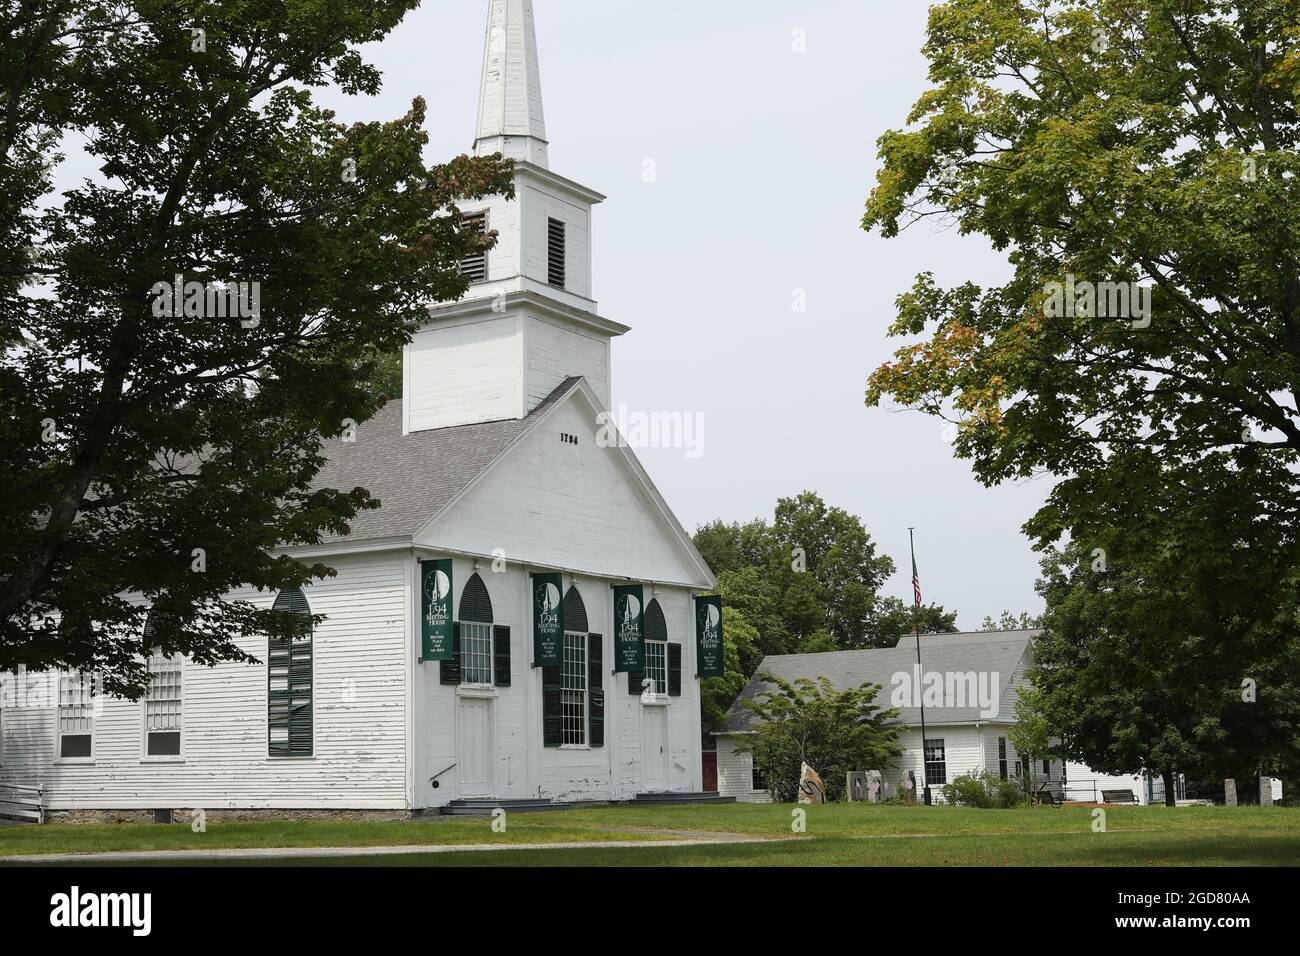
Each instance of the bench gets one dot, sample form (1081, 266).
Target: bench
(1118, 796)
(1047, 795)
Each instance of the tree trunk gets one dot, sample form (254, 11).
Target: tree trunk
(1168, 777)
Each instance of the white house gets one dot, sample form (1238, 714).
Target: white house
(494, 460)
(968, 684)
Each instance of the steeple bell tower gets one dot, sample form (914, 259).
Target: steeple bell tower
(528, 320)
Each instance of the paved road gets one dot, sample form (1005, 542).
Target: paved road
(307, 852)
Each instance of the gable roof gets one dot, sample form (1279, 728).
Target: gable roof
(415, 476)
(995, 652)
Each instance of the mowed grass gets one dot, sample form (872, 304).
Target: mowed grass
(836, 835)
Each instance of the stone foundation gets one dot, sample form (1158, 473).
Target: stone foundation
(184, 816)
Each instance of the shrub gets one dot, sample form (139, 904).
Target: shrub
(982, 790)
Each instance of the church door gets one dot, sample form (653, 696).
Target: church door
(474, 753)
(654, 748)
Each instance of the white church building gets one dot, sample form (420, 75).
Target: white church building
(492, 460)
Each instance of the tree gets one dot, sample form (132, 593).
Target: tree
(1165, 664)
(809, 581)
(807, 721)
(739, 646)
(1030, 735)
(1009, 622)
(164, 453)
(893, 619)
(1112, 148)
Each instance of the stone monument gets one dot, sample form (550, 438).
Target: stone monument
(811, 788)
(1230, 792)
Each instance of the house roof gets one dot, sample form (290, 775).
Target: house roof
(993, 652)
(414, 476)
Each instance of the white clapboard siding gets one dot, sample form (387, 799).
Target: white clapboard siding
(541, 205)
(736, 772)
(463, 372)
(359, 732)
(555, 350)
(566, 506)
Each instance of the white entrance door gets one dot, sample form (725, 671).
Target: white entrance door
(474, 753)
(654, 748)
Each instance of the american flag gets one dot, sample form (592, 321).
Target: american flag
(916, 584)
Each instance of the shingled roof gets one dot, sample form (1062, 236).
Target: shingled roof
(414, 476)
(995, 652)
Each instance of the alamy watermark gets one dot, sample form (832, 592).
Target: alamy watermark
(1102, 300)
(208, 300)
(630, 429)
(980, 689)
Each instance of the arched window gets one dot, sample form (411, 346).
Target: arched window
(163, 702)
(656, 647)
(289, 683)
(475, 633)
(573, 670)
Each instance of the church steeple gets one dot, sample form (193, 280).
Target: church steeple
(528, 320)
(510, 118)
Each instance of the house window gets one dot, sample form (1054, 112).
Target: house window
(555, 253)
(656, 648)
(1002, 757)
(573, 689)
(163, 716)
(936, 767)
(76, 715)
(756, 778)
(474, 267)
(289, 677)
(1047, 768)
(476, 633)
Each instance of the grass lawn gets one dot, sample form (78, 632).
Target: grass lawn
(837, 835)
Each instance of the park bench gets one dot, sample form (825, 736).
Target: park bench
(1118, 796)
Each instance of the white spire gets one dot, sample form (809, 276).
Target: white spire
(510, 119)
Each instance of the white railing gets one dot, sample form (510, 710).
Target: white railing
(22, 803)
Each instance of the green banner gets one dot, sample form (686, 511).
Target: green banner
(708, 636)
(548, 619)
(629, 646)
(435, 610)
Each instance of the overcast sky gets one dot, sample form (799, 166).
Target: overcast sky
(764, 157)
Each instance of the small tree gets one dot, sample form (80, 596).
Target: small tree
(1030, 736)
(807, 721)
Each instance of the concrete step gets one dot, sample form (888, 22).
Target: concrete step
(696, 797)
(483, 806)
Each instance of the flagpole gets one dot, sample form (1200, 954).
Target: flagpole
(916, 631)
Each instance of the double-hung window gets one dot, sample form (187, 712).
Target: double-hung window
(936, 766)
(76, 715)
(1002, 757)
(164, 706)
(573, 689)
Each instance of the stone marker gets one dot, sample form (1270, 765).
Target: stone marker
(1265, 791)
(1230, 792)
(811, 788)
(875, 785)
(855, 786)
(907, 787)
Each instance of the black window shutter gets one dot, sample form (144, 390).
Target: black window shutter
(552, 727)
(634, 679)
(501, 654)
(449, 671)
(596, 689)
(674, 670)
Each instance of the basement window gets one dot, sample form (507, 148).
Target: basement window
(474, 267)
(555, 253)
